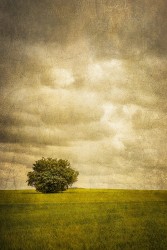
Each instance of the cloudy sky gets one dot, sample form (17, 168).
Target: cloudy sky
(85, 81)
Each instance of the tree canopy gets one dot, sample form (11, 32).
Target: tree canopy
(52, 175)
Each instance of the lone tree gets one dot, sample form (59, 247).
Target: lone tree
(52, 175)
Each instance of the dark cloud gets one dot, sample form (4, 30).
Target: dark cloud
(110, 25)
(126, 28)
(38, 21)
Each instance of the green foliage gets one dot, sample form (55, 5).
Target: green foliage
(52, 175)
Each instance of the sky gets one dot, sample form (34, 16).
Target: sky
(85, 81)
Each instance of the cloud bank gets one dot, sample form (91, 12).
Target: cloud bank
(85, 81)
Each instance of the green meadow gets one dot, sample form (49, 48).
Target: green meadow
(83, 219)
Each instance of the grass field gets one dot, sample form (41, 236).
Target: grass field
(83, 219)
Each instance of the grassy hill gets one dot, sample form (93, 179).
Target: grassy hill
(84, 219)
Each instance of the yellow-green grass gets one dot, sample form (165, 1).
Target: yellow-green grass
(84, 219)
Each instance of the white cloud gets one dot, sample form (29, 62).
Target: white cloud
(117, 143)
(95, 73)
(108, 110)
(62, 77)
(110, 71)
